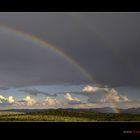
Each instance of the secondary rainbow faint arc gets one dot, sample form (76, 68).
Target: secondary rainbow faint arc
(108, 42)
(45, 43)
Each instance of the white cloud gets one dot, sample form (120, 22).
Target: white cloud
(10, 99)
(27, 101)
(2, 98)
(70, 99)
(50, 102)
(6, 101)
(113, 96)
(32, 103)
(90, 89)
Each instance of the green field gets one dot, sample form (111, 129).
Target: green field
(66, 116)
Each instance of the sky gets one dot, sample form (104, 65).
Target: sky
(48, 59)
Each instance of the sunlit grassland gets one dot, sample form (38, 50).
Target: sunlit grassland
(66, 116)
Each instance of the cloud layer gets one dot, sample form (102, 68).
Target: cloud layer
(68, 99)
(36, 92)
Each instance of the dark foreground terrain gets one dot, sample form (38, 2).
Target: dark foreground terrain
(65, 115)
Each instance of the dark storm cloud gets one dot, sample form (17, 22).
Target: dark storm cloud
(4, 88)
(23, 63)
(106, 44)
(35, 92)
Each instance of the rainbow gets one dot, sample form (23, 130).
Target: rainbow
(115, 107)
(44, 43)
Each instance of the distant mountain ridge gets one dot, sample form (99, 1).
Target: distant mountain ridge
(100, 110)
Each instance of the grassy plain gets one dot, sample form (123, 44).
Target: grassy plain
(60, 115)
